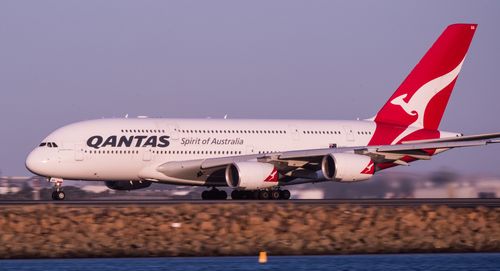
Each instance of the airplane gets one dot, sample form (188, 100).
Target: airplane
(256, 158)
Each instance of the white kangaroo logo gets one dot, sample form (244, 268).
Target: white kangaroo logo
(418, 102)
(368, 169)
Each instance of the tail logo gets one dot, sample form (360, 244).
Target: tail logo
(416, 108)
(418, 102)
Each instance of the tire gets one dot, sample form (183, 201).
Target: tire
(276, 194)
(254, 194)
(236, 194)
(61, 195)
(221, 194)
(264, 195)
(58, 195)
(205, 195)
(285, 194)
(246, 195)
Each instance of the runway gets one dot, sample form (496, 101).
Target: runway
(454, 203)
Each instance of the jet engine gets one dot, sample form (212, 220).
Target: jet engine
(251, 175)
(129, 185)
(347, 167)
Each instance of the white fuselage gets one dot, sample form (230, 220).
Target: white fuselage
(118, 149)
(189, 139)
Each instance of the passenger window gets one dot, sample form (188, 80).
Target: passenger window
(54, 145)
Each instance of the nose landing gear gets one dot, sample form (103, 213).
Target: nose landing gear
(57, 194)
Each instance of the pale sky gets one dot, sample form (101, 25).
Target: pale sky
(67, 61)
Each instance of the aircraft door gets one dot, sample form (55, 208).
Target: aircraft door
(65, 152)
(349, 133)
(294, 131)
(147, 155)
(78, 152)
(249, 149)
(171, 129)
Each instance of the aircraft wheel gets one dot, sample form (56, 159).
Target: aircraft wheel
(254, 194)
(264, 194)
(205, 195)
(275, 194)
(58, 195)
(248, 194)
(285, 194)
(221, 194)
(236, 194)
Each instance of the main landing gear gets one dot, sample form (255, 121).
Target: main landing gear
(276, 194)
(57, 194)
(265, 194)
(214, 193)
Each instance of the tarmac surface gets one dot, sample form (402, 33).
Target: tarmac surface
(453, 203)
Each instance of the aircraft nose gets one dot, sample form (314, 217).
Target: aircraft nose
(37, 163)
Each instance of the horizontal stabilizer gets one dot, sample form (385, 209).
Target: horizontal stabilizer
(456, 139)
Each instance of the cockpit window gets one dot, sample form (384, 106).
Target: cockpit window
(48, 144)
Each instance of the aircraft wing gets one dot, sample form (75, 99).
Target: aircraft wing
(390, 152)
(305, 163)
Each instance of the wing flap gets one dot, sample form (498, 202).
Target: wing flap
(301, 154)
(424, 146)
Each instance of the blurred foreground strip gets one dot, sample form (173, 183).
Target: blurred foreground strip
(154, 230)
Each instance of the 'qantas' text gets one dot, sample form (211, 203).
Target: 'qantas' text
(97, 142)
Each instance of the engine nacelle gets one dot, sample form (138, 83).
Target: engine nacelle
(251, 175)
(130, 185)
(347, 167)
